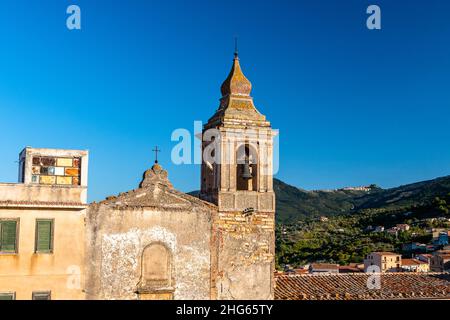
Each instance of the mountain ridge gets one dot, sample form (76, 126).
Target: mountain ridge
(293, 203)
(341, 201)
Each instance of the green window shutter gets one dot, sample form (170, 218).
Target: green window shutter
(44, 236)
(6, 296)
(41, 296)
(8, 236)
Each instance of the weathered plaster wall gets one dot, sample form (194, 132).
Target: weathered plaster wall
(29, 193)
(116, 238)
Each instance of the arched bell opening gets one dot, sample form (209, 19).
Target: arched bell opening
(247, 168)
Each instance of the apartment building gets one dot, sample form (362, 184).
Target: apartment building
(415, 265)
(385, 261)
(440, 261)
(42, 219)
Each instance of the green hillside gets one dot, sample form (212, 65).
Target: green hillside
(296, 204)
(293, 203)
(347, 236)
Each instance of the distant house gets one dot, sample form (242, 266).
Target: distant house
(385, 261)
(323, 219)
(437, 231)
(288, 268)
(361, 188)
(360, 266)
(415, 265)
(378, 229)
(323, 268)
(414, 247)
(393, 231)
(352, 268)
(301, 271)
(440, 261)
(425, 257)
(441, 239)
(403, 227)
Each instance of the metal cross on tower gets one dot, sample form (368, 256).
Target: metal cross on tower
(156, 150)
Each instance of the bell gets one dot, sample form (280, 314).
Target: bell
(246, 172)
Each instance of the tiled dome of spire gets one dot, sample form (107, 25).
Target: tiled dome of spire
(236, 83)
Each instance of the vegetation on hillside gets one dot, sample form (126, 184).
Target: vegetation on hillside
(345, 238)
(294, 204)
(302, 237)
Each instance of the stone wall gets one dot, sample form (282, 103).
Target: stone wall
(34, 193)
(117, 238)
(243, 260)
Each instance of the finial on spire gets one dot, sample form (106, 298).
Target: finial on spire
(156, 150)
(236, 47)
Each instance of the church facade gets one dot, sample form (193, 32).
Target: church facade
(153, 242)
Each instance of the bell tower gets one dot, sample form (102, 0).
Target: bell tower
(237, 145)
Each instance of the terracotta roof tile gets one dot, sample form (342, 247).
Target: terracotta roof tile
(353, 286)
(386, 253)
(324, 266)
(412, 262)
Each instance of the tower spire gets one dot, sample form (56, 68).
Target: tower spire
(236, 83)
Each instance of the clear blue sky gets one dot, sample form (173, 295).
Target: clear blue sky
(353, 106)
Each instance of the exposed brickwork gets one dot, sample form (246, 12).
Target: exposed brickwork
(243, 262)
(255, 232)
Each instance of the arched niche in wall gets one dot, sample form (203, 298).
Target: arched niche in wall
(156, 280)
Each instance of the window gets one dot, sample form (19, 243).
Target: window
(44, 236)
(60, 171)
(42, 295)
(7, 296)
(8, 236)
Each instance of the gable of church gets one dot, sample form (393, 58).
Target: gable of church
(153, 242)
